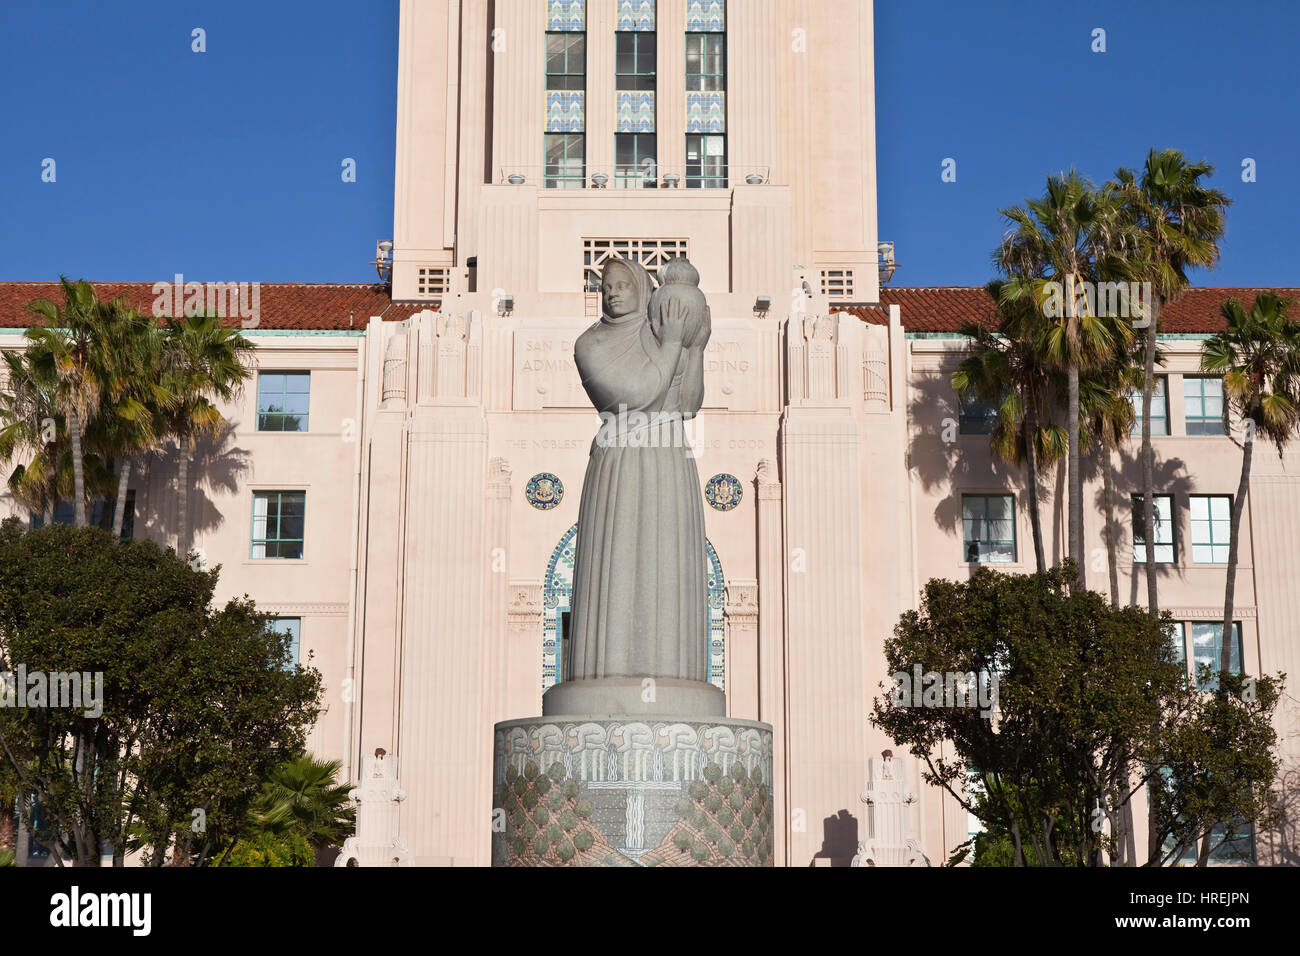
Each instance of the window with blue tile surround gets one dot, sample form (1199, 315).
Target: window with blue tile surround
(706, 16)
(283, 401)
(293, 627)
(566, 15)
(278, 521)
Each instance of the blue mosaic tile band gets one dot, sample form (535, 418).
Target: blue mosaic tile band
(566, 112)
(566, 16)
(706, 16)
(635, 113)
(636, 15)
(706, 112)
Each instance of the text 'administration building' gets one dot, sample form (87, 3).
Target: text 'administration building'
(401, 484)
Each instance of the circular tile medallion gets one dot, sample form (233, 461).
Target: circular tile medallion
(544, 491)
(723, 492)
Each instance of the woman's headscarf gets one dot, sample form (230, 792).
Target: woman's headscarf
(641, 281)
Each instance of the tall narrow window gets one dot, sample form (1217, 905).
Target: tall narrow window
(293, 627)
(1203, 405)
(566, 160)
(1207, 650)
(636, 148)
(1211, 528)
(1164, 528)
(1159, 417)
(278, 520)
(566, 85)
(706, 96)
(989, 528)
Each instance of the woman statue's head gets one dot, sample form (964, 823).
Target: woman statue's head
(621, 289)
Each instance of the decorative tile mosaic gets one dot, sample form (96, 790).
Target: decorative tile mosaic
(566, 16)
(623, 792)
(706, 16)
(635, 112)
(706, 112)
(566, 111)
(724, 492)
(544, 491)
(557, 594)
(636, 15)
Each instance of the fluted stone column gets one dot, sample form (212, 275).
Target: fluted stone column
(771, 641)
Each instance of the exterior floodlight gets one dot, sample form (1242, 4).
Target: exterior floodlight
(506, 305)
(599, 180)
(671, 180)
(755, 179)
(763, 305)
(515, 179)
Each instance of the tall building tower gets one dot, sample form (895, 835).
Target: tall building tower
(536, 140)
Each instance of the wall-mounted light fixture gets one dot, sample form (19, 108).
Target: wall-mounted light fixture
(763, 305)
(755, 179)
(671, 180)
(515, 179)
(384, 260)
(505, 304)
(599, 180)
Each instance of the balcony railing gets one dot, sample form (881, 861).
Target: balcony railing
(692, 176)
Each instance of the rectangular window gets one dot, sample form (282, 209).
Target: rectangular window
(636, 157)
(1159, 413)
(1207, 646)
(1211, 528)
(706, 69)
(283, 400)
(293, 627)
(102, 513)
(566, 61)
(976, 416)
(634, 62)
(1203, 405)
(989, 528)
(566, 160)
(278, 521)
(706, 161)
(1178, 638)
(1164, 521)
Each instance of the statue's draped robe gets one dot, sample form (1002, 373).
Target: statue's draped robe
(640, 604)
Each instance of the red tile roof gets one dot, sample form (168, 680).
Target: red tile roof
(293, 305)
(282, 305)
(944, 309)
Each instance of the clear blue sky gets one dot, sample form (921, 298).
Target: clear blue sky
(225, 165)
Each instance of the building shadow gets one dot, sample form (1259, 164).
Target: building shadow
(839, 839)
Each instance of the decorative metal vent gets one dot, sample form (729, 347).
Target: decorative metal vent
(837, 283)
(651, 253)
(433, 281)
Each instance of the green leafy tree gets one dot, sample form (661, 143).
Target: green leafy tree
(1258, 355)
(1089, 698)
(203, 362)
(1174, 223)
(198, 705)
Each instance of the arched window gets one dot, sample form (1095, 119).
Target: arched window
(557, 594)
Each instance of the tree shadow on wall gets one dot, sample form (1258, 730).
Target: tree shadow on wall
(947, 462)
(217, 470)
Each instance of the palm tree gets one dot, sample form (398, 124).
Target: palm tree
(73, 351)
(201, 360)
(303, 797)
(1176, 224)
(1258, 355)
(1108, 417)
(131, 404)
(30, 426)
(1068, 235)
(1010, 368)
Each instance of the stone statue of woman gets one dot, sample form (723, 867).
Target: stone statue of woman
(639, 604)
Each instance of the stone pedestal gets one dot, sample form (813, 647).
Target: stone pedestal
(627, 791)
(377, 794)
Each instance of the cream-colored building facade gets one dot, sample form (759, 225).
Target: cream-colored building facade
(439, 455)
